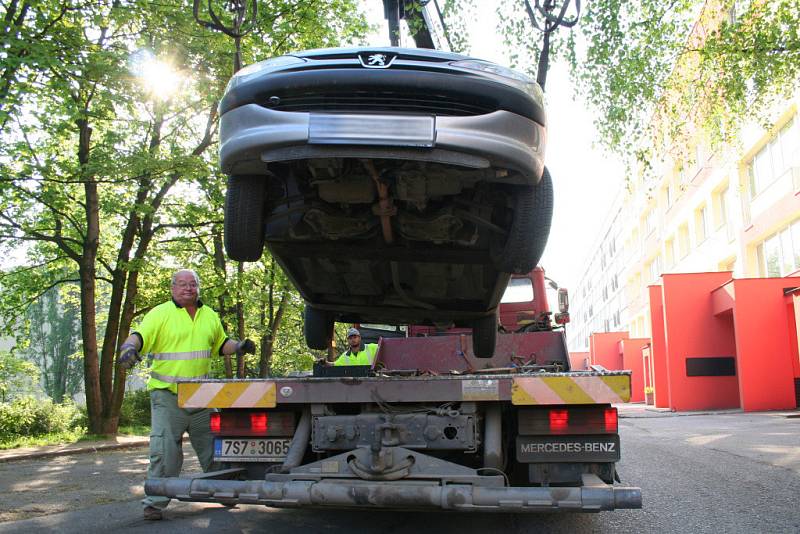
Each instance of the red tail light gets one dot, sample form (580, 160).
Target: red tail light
(216, 423)
(258, 422)
(611, 421)
(559, 420)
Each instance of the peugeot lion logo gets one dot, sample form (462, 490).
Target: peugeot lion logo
(376, 60)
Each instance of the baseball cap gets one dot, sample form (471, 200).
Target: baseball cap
(353, 332)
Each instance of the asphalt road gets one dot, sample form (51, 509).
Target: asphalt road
(700, 473)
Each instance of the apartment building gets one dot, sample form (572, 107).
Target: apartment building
(597, 302)
(735, 211)
(700, 209)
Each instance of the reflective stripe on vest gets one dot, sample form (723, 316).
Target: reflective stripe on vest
(192, 355)
(175, 379)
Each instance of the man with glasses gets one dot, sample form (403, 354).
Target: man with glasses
(181, 334)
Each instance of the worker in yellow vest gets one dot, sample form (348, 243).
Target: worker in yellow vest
(181, 335)
(356, 354)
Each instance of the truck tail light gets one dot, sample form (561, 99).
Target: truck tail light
(563, 420)
(258, 422)
(215, 424)
(559, 421)
(611, 421)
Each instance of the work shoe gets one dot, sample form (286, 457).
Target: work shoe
(153, 514)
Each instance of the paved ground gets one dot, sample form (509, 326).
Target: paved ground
(721, 472)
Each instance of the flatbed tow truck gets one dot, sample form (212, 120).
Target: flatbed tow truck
(426, 426)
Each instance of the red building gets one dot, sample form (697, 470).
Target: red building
(717, 343)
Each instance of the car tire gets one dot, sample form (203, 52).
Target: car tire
(317, 328)
(529, 231)
(484, 336)
(244, 217)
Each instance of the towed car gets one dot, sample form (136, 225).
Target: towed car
(393, 185)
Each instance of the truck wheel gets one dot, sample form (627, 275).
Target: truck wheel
(529, 231)
(244, 217)
(317, 328)
(484, 336)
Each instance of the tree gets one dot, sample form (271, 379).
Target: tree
(16, 375)
(96, 169)
(53, 344)
(655, 70)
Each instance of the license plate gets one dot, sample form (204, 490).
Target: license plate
(391, 130)
(251, 449)
(534, 449)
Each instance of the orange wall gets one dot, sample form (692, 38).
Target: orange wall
(578, 361)
(765, 363)
(632, 359)
(692, 331)
(658, 349)
(604, 347)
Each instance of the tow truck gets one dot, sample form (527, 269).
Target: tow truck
(426, 426)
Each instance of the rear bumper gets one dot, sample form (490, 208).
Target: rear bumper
(252, 136)
(592, 497)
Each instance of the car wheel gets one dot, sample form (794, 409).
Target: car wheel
(529, 230)
(484, 336)
(244, 217)
(317, 328)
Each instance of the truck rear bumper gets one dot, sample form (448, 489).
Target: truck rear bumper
(593, 496)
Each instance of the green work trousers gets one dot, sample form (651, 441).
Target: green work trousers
(169, 422)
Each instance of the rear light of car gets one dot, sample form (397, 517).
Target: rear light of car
(568, 420)
(243, 422)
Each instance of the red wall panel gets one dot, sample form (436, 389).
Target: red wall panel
(605, 350)
(693, 331)
(764, 366)
(632, 359)
(658, 348)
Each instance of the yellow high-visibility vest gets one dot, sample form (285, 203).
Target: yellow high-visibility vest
(364, 357)
(181, 347)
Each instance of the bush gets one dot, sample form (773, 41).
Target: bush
(28, 416)
(135, 409)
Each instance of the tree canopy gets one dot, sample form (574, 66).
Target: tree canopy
(108, 175)
(651, 69)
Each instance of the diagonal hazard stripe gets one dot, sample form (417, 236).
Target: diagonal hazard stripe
(567, 389)
(228, 394)
(619, 386)
(550, 390)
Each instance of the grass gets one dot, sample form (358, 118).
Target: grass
(70, 436)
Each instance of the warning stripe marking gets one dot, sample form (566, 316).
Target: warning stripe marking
(570, 390)
(226, 395)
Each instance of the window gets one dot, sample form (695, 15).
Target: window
(683, 240)
(701, 223)
(518, 290)
(669, 252)
(779, 254)
(616, 318)
(668, 195)
(720, 205)
(654, 269)
(774, 158)
(649, 222)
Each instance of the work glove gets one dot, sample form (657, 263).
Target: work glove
(246, 346)
(128, 356)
